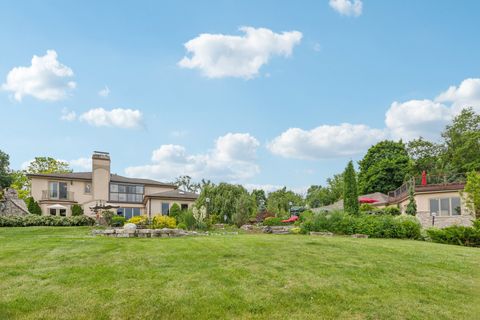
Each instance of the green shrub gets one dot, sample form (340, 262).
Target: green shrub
(376, 226)
(367, 207)
(77, 210)
(117, 221)
(272, 221)
(34, 220)
(33, 206)
(187, 219)
(392, 210)
(182, 226)
(175, 211)
(459, 235)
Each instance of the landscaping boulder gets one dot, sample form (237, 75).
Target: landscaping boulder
(130, 226)
(247, 227)
(323, 234)
(359, 235)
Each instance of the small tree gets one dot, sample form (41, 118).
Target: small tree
(175, 211)
(243, 210)
(412, 204)
(471, 193)
(350, 192)
(77, 210)
(33, 206)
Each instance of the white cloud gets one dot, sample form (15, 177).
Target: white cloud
(325, 141)
(45, 79)
(427, 118)
(415, 118)
(81, 163)
(68, 115)
(467, 94)
(219, 55)
(105, 92)
(123, 118)
(232, 159)
(347, 7)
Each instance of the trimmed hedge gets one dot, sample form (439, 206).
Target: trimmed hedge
(459, 235)
(34, 220)
(375, 226)
(272, 221)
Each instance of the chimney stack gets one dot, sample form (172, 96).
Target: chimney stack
(101, 175)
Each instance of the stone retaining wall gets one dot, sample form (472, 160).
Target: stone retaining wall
(443, 221)
(145, 233)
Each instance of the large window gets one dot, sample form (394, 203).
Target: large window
(446, 206)
(128, 212)
(126, 193)
(57, 190)
(165, 208)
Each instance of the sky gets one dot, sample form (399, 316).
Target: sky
(262, 93)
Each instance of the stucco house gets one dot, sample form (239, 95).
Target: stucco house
(57, 192)
(438, 197)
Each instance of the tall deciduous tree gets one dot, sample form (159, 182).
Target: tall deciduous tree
(185, 183)
(350, 193)
(39, 165)
(462, 142)
(5, 174)
(425, 155)
(384, 167)
(279, 201)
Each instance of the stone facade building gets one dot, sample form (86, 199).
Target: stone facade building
(11, 205)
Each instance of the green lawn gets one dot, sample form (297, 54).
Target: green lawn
(65, 273)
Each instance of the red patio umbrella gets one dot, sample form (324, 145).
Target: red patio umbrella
(367, 200)
(424, 178)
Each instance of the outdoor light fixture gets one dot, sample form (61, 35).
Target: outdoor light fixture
(433, 218)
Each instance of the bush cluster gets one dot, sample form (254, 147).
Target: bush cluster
(459, 235)
(272, 221)
(376, 226)
(371, 209)
(117, 221)
(138, 220)
(35, 220)
(160, 222)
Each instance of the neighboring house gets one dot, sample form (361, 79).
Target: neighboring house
(57, 192)
(437, 196)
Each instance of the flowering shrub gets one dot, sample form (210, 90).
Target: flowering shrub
(138, 220)
(199, 214)
(160, 222)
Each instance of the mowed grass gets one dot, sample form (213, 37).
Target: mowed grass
(65, 273)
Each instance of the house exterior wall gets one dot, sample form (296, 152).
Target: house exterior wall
(154, 205)
(423, 210)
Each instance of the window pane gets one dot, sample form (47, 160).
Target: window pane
(53, 212)
(140, 189)
(63, 212)
(434, 206)
(122, 188)
(139, 198)
(456, 206)
(63, 190)
(53, 190)
(122, 197)
(88, 188)
(130, 189)
(445, 207)
(113, 188)
(136, 211)
(128, 213)
(113, 196)
(130, 197)
(165, 208)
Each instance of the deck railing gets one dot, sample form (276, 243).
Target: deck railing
(49, 195)
(437, 182)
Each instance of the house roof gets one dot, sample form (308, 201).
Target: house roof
(88, 176)
(381, 198)
(177, 194)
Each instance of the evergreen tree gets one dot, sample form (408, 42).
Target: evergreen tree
(350, 192)
(33, 206)
(412, 204)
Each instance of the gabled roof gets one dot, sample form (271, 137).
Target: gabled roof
(180, 194)
(88, 177)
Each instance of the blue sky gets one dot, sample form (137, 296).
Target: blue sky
(286, 101)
